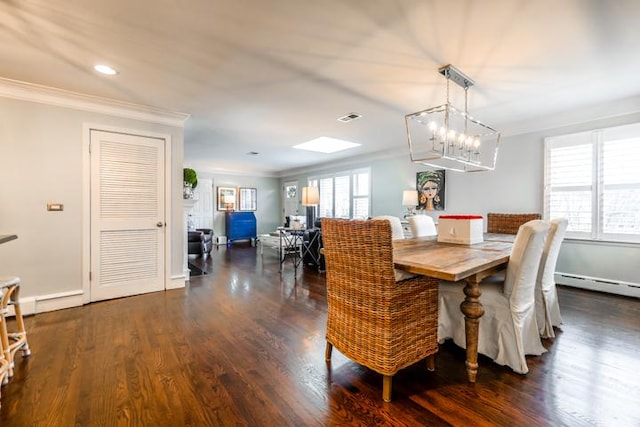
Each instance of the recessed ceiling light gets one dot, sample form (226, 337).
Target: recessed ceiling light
(325, 144)
(105, 69)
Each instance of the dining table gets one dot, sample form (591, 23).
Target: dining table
(455, 262)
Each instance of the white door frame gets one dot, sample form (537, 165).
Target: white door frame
(86, 200)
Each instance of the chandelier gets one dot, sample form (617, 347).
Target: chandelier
(445, 137)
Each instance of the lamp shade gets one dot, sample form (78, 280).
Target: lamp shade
(409, 198)
(310, 196)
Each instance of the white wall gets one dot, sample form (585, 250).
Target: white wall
(268, 201)
(41, 161)
(516, 186)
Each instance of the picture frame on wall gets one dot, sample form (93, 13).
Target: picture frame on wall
(431, 190)
(248, 199)
(227, 199)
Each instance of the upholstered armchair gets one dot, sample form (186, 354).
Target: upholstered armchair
(200, 242)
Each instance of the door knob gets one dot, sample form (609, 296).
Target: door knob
(159, 224)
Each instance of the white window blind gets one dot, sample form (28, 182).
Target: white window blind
(326, 198)
(593, 180)
(341, 196)
(361, 187)
(344, 194)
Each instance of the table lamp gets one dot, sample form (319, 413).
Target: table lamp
(310, 198)
(410, 200)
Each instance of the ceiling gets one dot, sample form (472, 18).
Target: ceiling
(264, 75)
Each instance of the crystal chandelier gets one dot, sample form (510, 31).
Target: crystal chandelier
(445, 137)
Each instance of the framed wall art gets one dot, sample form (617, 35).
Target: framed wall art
(226, 199)
(248, 199)
(430, 186)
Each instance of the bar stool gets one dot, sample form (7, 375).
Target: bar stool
(4, 363)
(12, 341)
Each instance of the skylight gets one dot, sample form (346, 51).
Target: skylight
(327, 145)
(105, 69)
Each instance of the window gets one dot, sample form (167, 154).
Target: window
(593, 179)
(344, 194)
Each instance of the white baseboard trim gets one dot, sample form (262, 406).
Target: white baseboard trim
(177, 282)
(599, 284)
(43, 303)
(59, 301)
(51, 302)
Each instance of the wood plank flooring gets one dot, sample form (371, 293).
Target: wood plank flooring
(244, 346)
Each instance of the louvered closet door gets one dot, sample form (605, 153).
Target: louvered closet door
(127, 215)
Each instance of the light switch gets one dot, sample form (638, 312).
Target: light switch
(55, 207)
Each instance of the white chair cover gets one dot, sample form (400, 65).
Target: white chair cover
(422, 225)
(547, 307)
(508, 330)
(396, 226)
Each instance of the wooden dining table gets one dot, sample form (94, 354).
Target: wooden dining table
(455, 262)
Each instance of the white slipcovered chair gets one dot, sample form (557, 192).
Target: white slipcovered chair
(547, 307)
(396, 226)
(422, 225)
(508, 330)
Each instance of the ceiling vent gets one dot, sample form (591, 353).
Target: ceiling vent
(349, 117)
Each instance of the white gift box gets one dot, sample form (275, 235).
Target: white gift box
(461, 229)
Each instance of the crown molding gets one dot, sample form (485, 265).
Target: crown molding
(344, 162)
(576, 116)
(62, 98)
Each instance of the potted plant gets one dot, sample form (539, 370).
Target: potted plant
(190, 179)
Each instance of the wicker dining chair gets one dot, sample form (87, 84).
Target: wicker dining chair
(372, 319)
(508, 223)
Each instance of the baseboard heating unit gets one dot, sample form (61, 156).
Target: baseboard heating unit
(599, 284)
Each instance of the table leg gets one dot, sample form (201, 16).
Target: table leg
(473, 311)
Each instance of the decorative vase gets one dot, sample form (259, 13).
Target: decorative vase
(187, 190)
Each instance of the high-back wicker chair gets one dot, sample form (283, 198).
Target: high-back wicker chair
(372, 319)
(508, 223)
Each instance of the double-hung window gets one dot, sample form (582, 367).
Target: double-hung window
(344, 194)
(593, 179)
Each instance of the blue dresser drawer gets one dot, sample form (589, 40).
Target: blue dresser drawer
(240, 226)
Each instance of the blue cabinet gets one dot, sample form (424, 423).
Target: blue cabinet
(240, 226)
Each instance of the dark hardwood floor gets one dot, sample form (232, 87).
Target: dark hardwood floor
(244, 346)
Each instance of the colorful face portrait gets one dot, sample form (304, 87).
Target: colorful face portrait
(430, 186)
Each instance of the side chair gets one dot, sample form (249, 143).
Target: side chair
(374, 320)
(396, 226)
(422, 225)
(508, 330)
(508, 223)
(547, 307)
